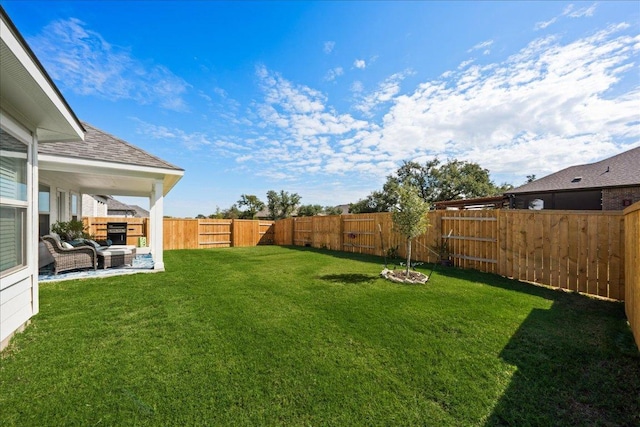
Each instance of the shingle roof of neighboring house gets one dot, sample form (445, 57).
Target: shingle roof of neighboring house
(102, 146)
(621, 170)
(140, 212)
(117, 205)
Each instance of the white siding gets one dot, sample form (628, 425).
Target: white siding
(15, 307)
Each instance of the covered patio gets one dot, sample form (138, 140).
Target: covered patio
(142, 263)
(104, 164)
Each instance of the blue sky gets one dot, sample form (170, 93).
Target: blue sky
(327, 98)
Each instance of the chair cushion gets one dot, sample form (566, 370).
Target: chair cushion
(67, 245)
(93, 243)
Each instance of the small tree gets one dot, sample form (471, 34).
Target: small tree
(410, 216)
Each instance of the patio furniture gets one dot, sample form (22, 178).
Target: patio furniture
(114, 256)
(69, 258)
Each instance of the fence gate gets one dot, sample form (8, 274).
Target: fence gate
(474, 238)
(359, 235)
(302, 231)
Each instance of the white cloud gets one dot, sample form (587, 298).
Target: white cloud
(83, 61)
(328, 47)
(360, 63)
(357, 86)
(547, 107)
(482, 45)
(385, 92)
(552, 104)
(580, 13)
(191, 141)
(570, 12)
(333, 73)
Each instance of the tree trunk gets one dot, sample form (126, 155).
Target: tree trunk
(408, 256)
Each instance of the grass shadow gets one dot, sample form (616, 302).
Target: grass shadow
(349, 279)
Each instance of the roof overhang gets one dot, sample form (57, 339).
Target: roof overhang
(98, 177)
(28, 93)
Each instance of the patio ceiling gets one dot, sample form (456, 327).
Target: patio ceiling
(95, 177)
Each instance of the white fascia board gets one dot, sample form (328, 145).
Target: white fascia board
(12, 42)
(69, 164)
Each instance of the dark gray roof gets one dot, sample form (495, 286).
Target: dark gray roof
(622, 170)
(117, 205)
(101, 146)
(140, 212)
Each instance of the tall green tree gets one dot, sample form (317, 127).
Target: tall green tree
(410, 216)
(253, 204)
(310, 210)
(283, 204)
(434, 181)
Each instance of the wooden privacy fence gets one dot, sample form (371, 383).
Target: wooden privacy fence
(216, 233)
(632, 268)
(191, 233)
(575, 250)
(136, 227)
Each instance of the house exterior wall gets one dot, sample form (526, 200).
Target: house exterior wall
(613, 198)
(568, 200)
(92, 207)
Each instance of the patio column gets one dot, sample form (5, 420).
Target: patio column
(156, 215)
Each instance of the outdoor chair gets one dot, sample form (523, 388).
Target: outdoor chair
(69, 258)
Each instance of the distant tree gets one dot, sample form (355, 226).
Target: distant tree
(503, 188)
(332, 210)
(530, 178)
(377, 201)
(232, 213)
(410, 216)
(434, 181)
(283, 204)
(310, 210)
(217, 215)
(200, 216)
(253, 204)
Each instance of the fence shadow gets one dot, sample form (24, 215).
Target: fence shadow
(564, 375)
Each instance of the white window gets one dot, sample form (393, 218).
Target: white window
(62, 206)
(44, 208)
(13, 203)
(74, 207)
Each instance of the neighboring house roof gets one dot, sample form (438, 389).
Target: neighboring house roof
(140, 212)
(622, 170)
(117, 205)
(101, 146)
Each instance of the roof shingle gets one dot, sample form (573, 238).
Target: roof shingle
(101, 146)
(621, 170)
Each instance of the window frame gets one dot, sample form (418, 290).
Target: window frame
(22, 135)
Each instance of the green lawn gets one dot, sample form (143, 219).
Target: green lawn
(296, 336)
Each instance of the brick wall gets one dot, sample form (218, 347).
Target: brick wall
(612, 197)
